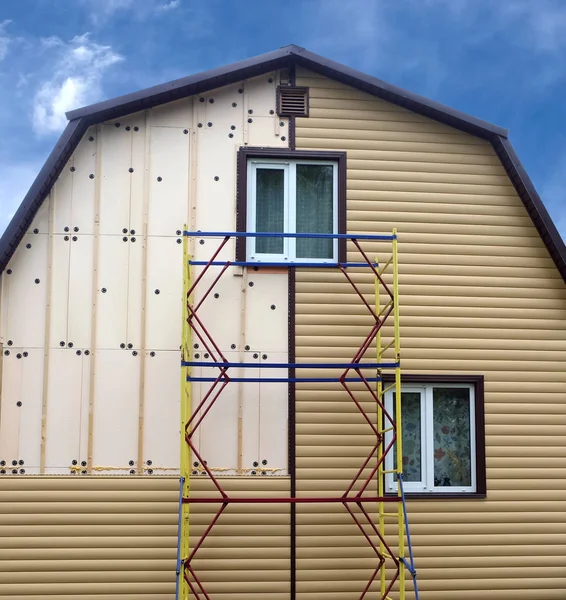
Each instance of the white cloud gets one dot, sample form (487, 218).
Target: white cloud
(76, 80)
(168, 6)
(4, 39)
(541, 24)
(102, 10)
(367, 30)
(544, 22)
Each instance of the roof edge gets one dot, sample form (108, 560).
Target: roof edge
(397, 95)
(190, 85)
(533, 202)
(39, 189)
(285, 56)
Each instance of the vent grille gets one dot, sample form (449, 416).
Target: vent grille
(293, 101)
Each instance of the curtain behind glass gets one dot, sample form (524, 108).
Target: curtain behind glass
(452, 445)
(315, 209)
(270, 209)
(411, 432)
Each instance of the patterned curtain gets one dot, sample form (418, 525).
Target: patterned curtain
(270, 209)
(315, 209)
(411, 416)
(452, 462)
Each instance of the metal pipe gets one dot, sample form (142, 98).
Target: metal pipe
(334, 236)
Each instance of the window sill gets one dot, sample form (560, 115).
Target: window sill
(443, 496)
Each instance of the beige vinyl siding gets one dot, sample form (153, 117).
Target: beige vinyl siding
(479, 294)
(106, 538)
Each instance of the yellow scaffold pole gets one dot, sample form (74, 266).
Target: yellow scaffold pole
(185, 470)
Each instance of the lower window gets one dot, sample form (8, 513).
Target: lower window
(439, 438)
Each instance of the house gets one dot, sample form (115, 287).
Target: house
(91, 324)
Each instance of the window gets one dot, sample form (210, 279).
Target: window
(292, 192)
(442, 427)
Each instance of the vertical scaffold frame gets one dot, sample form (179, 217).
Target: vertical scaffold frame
(389, 573)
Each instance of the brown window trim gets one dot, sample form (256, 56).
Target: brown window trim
(247, 152)
(478, 382)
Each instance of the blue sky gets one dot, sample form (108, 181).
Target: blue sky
(501, 60)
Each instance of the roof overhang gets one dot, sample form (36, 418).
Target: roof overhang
(286, 57)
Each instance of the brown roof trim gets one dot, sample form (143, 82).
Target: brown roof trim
(532, 201)
(396, 95)
(286, 57)
(39, 189)
(186, 86)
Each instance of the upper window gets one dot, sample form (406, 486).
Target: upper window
(293, 193)
(439, 439)
(295, 196)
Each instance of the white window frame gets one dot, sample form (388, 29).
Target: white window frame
(426, 485)
(289, 167)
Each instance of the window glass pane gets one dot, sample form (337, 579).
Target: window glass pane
(411, 424)
(315, 209)
(270, 209)
(452, 450)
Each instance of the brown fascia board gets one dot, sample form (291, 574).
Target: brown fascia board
(396, 95)
(39, 189)
(186, 86)
(532, 201)
(284, 57)
(287, 56)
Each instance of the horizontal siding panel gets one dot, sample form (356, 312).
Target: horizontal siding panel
(495, 413)
(349, 347)
(80, 542)
(90, 590)
(462, 322)
(524, 452)
(37, 555)
(91, 508)
(389, 120)
(86, 565)
(70, 537)
(363, 180)
(447, 210)
(40, 519)
(365, 102)
(362, 150)
(357, 129)
(362, 192)
(70, 578)
(312, 293)
(502, 594)
(414, 230)
(436, 574)
(414, 170)
(124, 595)
(111, 485)
(411, 292)
(448, 562)
(352, 140)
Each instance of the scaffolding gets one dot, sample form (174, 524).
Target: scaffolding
(366, 492)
